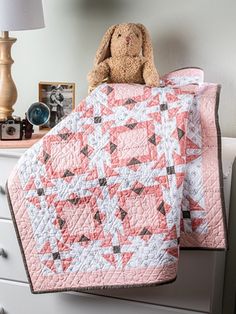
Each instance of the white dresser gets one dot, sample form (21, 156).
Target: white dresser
(198, 288)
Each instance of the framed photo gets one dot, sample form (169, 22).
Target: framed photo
(60, 99)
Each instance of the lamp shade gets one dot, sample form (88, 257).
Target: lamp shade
(16, 15)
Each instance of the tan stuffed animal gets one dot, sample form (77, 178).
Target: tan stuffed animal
(125, 55)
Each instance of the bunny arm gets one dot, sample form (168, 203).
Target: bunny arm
(150, 74)
(99, 74)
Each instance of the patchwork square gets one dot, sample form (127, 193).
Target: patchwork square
(142, 208)
(81, 219)
(66, 156)
(116, 249)
(131, 145)
(164, 107)
(170, 170)
(103, 181)
(98, 119)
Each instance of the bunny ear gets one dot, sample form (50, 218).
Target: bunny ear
(103, 51)
(147, 43)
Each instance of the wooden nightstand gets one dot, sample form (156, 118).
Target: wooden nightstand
(23, 143)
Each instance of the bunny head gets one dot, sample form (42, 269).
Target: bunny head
(126, 39)
(125, 55)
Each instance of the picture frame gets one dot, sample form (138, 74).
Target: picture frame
(60, 99)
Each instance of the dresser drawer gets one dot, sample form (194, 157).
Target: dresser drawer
(7, 161)
(191, 290)
(11, 266)
(16, 298)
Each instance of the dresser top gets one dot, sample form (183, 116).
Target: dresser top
(23, 143)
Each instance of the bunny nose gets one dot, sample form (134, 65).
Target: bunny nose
(127, 39)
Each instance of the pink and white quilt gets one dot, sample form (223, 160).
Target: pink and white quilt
(109, 195)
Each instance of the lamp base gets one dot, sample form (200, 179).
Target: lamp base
(8, 91)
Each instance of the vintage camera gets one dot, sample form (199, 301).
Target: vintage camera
(15, 129)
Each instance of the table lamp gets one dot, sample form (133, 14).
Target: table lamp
(15, 15)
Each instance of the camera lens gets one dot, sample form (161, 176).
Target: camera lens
(10, 130)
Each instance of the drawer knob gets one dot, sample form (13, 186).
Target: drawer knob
(2, 191)
(3, 254)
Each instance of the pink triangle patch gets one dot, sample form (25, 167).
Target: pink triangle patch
(179, 160)
(196, 222)
(123, 239)
(87, 113)
(156, 116)
(172, 235)
(113, 189)
(155, 100)
(50, 265)
(106, 111)
(163, 180)
(96, 192)
(62, 247)
(66, 263)
(50, 199)
(191, 158)
(191, 144)
(179, 179)
(126, 257)
(161, 163)
(46, 248)
(193, 205)
(171, 97)
(108, 241)
(110, 258)
(46, 182)
(34, 200)
(173, 251)
(110, 171)
(30, 185)
(172, 112)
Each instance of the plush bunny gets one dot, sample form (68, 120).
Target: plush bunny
(125, 55)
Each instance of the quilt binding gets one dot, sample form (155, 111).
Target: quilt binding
(221, 182)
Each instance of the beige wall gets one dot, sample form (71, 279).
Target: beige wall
(184, 32)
